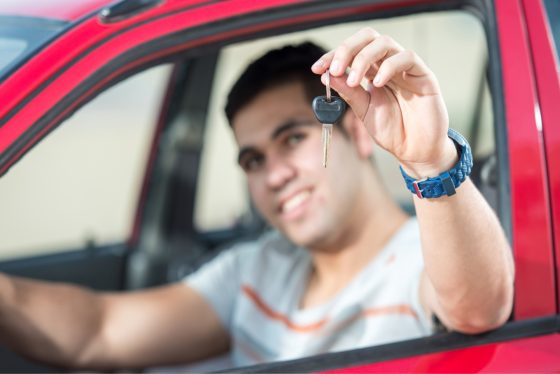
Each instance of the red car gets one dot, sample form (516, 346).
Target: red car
(137, 184)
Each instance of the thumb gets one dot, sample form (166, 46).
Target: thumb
(356, 97)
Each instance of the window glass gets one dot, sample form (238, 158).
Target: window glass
(452, 44)
(10, 49)
(82, 182)
(553, 11)
(20, 37)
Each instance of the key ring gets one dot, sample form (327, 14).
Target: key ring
(328, 85)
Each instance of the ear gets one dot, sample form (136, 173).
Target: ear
(358, 134)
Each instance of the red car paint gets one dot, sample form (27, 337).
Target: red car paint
(533, 355)
(529, 188)
(548, 87)
(531, 90)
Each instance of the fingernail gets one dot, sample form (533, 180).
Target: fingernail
(377, 80)
(334, 66)
(352, 77)
(319, 64)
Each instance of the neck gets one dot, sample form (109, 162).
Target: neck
(336, 265)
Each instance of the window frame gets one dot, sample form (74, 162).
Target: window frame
(546, 66)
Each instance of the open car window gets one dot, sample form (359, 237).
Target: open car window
(80, 186)
(452, 43)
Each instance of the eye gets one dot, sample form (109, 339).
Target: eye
(294, 139)
(252, 163)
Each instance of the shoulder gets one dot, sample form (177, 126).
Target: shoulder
(408, 234)
(407, 238)
(404, 251)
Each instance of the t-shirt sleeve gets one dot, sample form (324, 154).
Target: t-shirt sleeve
(218, 281)
(425, 320)
(414, 267)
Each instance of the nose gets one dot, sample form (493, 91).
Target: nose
(279, 171)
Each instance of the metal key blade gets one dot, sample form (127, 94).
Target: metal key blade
(327, 133)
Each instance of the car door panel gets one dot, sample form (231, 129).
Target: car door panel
(525, 346)
(100, 268)
(531, 220)
(546, 66)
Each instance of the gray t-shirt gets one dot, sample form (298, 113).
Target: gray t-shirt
(255, 289)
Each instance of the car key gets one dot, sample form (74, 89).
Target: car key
(328, 109)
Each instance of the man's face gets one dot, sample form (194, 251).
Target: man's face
(280, 150)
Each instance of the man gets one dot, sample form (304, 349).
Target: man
(362, 278)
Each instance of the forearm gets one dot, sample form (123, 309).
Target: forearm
(49, 322)
(467, 260)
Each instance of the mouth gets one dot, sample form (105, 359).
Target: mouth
(293, 204)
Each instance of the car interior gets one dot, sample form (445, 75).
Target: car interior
(198, 133)
(140, 186)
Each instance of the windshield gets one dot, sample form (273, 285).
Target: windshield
(20, 37)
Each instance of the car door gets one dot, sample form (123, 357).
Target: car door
(189, 35)
(543, 21)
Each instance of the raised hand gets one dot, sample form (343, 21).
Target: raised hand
(400, 102)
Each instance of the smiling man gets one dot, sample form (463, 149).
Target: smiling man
(344, 268)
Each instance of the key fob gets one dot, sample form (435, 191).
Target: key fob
(328, 112)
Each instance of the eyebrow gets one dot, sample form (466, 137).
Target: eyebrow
(286, 126)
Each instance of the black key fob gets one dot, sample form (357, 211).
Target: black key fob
(328, 111)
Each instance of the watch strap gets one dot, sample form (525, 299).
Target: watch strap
(447, 182)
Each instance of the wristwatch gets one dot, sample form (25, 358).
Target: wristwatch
(447, 182)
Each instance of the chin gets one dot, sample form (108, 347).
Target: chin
(308, 232)
(305, 239)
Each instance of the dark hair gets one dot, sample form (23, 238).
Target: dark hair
(276, 67)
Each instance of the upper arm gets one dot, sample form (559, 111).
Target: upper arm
(167, 325)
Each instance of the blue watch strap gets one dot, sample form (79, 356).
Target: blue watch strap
(448, 181)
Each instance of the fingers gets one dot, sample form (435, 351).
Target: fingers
(406, 65)
(338, 60)
(346, 52)
(356, 97)
(364, 53)
(367, 60)
(379, 59)
(322, 64)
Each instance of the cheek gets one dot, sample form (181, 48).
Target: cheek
(258, 193)
(309, 154)
(343, 167)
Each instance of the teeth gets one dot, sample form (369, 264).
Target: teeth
(295, 201)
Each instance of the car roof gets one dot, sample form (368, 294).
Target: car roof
(64, 10)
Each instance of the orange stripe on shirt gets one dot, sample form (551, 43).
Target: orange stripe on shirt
(371, 312)
(391, 309)
(272, 314)
(374, 312)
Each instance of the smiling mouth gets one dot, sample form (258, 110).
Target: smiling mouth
(294, 202)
